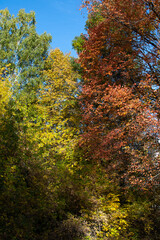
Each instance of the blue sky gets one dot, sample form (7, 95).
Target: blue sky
(61, 18)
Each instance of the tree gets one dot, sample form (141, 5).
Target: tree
(120, 106)
(24, 50)
(58, 104)
(121, 89)
(23, 53)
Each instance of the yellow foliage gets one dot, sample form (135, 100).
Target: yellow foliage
(108, 220)
(57, 103)
(51, 123)
(5, 93)
(117, 218)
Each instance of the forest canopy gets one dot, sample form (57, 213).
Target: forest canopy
(80, 137)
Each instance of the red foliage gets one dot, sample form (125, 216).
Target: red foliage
(120, 97)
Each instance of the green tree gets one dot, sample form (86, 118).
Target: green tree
(22, 186)
(24, 50)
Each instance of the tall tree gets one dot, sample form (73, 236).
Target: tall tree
(58, 103)
(121, 88)
(24, 52)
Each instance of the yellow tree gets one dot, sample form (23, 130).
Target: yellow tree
(58, 106)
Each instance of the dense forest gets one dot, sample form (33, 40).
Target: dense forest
(80, 137)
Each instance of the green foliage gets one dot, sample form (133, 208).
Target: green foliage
(78, 42)
(24, 50)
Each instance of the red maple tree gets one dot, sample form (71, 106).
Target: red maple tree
(120, 96)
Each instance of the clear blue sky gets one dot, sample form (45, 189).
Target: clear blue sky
(61, 18)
